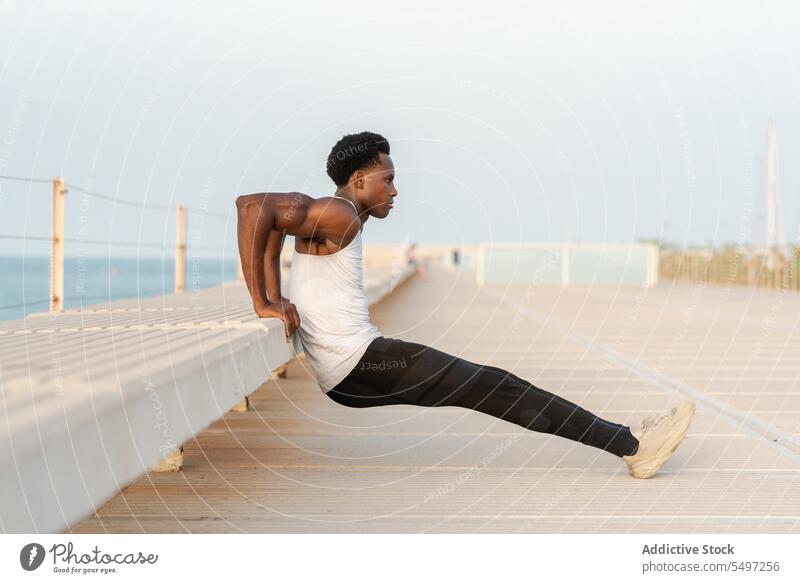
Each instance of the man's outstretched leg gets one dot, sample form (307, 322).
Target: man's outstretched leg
(394, 371)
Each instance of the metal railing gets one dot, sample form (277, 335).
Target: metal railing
(58, 239)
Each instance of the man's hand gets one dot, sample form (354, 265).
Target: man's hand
(283, 309)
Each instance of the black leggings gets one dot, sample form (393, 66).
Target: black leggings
(396, 372)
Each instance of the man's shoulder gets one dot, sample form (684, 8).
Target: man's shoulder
(334, 219)
(333, 209)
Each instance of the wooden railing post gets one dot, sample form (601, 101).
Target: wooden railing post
(180, 249)
(57, 252)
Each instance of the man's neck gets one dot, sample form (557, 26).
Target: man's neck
(345, 193)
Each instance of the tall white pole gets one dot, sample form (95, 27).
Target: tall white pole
(772, 186)
(772, 196)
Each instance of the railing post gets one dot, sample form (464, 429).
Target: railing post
(180, 249)
(57, 252)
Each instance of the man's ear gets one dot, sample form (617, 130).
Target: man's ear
(357, 179)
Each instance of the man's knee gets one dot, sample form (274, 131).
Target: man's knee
(535, 420)
(343, 398)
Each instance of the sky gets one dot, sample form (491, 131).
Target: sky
(508, 121)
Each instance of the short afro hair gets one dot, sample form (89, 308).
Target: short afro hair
(355, 152)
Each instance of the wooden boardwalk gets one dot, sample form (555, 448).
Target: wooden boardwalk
(299, 462)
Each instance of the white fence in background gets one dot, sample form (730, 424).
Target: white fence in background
(568, 263)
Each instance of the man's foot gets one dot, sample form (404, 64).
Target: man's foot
(659, 435)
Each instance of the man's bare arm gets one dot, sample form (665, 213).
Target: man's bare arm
(272, 265)
(253, 230)
(262, 215)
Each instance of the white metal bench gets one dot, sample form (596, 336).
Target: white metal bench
(92, 399)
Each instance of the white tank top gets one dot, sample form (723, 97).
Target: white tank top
(335, 329)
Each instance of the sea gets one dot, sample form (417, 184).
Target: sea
(25, 280)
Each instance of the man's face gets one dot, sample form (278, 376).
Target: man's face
(378, 191)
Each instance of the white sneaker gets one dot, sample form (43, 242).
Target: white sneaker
(659, 436)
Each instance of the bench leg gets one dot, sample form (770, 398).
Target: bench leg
(242, 406)
(172, 462)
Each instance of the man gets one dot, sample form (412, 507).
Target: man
(354, 364)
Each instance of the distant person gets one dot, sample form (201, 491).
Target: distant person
(353, 363)
(455, 257)
(411, 258)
